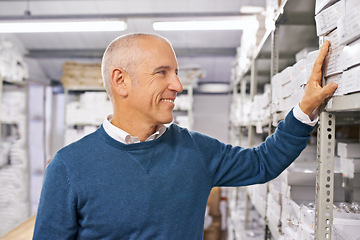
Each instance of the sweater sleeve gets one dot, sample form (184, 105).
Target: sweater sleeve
(236, 166)
(56, 215)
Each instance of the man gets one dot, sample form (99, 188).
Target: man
(133, 178)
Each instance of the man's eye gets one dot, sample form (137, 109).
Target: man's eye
(162, 72)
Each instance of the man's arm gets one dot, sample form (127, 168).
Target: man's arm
(56, 215)
(234, 166)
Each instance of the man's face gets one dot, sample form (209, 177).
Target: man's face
(155, 83)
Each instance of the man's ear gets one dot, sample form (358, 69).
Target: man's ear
(119, 82)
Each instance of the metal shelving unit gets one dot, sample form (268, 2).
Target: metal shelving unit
(189, 89)
(294, 29)
(339, 105)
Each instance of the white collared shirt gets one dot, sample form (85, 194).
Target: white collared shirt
(124, 137)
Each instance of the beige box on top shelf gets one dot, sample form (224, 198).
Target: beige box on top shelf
(326, 21)
(82, 75)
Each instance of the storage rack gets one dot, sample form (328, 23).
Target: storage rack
(294, 28)
(188, 90)
(71, 90)
(22, 86)
(336, 110)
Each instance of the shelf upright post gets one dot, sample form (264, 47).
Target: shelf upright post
(274, 52)
(325, 176)
(274, 63)
(253, 90)
(242, 104)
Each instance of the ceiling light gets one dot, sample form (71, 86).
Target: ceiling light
(238, 24)
(65, 26)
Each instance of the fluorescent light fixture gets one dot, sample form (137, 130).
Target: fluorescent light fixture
(64, 26)
(237, 24)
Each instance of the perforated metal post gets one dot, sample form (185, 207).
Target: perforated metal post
(325, 176)
(253, 91)
(274, 52)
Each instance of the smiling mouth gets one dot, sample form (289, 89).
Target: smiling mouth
(167, 100)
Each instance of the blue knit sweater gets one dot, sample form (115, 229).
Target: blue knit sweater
(99, 188)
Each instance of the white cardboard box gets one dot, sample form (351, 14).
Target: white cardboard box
(302, 54)
(348, 150)
(307, 193)
(310, 60)
(350, 4)
(332, 63)
(349, 166)
(337, 78)
(349, 26)
(326, 21)
(321, 4)
(351, 55)
(351, 80)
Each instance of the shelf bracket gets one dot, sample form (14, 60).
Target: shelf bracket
(325, 176)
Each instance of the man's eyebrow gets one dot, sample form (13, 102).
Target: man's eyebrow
(161, 68)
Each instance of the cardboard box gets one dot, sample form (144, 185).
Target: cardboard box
(302, 54)
(332, 62)
(349, 166)
(351, 55)
(306, 193)
(322, 4)
(338, 79)
(214, 201)
(326, 21)
(351, 4)
(310, 60)
(349, 26)
(351, 80)
(348, 150)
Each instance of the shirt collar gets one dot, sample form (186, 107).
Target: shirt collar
(124, 137)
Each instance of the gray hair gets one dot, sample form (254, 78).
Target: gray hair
(123, 52)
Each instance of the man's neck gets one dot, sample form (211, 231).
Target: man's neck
(135, 128)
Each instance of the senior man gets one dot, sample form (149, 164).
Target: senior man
(134, 178)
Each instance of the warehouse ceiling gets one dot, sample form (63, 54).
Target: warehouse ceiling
(213, 51)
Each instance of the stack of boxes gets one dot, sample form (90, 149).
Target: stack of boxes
(12, 64)
(14, 166)
(82, 75)
(86, 113)
(243, 222)
(298, 196)
(288, 85)
(349, 154)
(339, 22)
